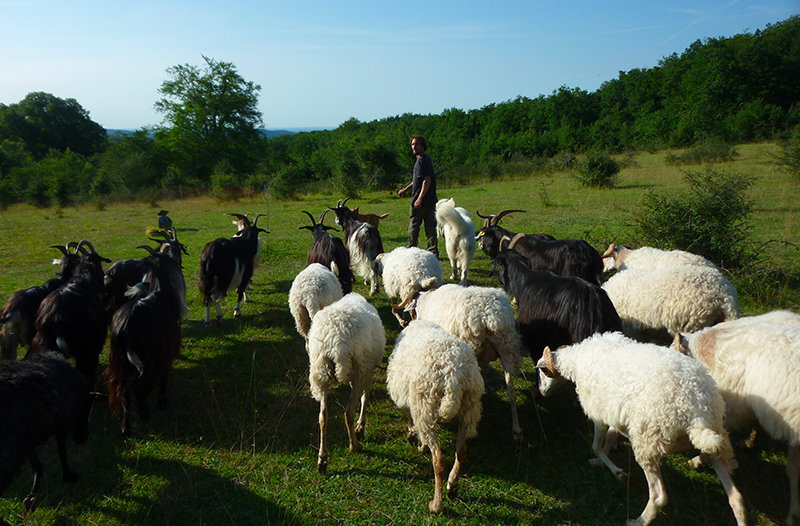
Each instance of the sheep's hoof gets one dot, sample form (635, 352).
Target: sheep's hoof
(31, 502)
(70, 476)
(322, 466)
(412, 438)
(452, 490)
(356, 447)
(435, 506)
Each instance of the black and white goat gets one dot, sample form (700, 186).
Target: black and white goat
(72, 320)
(146, 338)
(19, 313)
(127, 273)
(565, 257)
(227, 264)
(329, 251)
(364, 243)
(553, 310)
(41, 396)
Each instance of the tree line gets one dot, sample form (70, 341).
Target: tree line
(734, 90)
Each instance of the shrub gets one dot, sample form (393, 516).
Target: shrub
(713, 151)
(710, 219)
(599, 170)
(788, 159)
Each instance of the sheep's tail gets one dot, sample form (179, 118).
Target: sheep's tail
(714, 443)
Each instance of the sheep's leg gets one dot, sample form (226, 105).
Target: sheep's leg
(435, 505)
(734, 497)
(463, 282)
(461, 451)
(31, 501)
(598, 447)
(349, 412)
(67, 475)
(403, 323)
(362, 416)
(410, 435)
(454, 267)
(516, 430)
(658, 495)
(793, 472)
(322, 460)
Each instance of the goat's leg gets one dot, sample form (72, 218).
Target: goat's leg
(32, 500)
(322, 460)
(461, 451)
(435, 505)
(237, 309)
(658, 494)
(126, 411)
(598, 447)
(793, 472)
(734, 497)
(349, 413)
(67, 475)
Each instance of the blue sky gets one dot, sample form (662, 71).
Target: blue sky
(321, 62)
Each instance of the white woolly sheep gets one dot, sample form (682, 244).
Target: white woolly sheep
(458, 230)
(345, 343)
(435, 376)
(649, 258)
(482, 317)
(756, 365)
(406, 271)
(313, 289)
(676, 299)
(662, 401)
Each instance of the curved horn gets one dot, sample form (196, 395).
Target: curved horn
(148, 248)
(506, 240)
(322, 217)
(609, 251)
(487, 220)
(408, 299)
(255, 219)
(241, 217)
(496, 219)
(338, 203)
(515, 240)
(344, 202)
(313, 221)
(62, 248)
(85, 243)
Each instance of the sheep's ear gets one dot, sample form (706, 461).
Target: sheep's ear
(547, 364)
(609, 251)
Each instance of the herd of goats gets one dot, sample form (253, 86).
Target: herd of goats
(657, 351)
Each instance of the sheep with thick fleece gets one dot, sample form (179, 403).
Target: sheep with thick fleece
(662, 401)
(406, 271)
(649, 258)
(313, 289)
(756, 365)
(458, 230)
(345, 343)
(484, 318)
(676, 299)
(435, 376)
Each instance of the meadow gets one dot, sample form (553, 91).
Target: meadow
(238, 443)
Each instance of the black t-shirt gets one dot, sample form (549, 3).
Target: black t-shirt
(423, 168)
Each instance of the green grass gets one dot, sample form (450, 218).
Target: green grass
(238, 443)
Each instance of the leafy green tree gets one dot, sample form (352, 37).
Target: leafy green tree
(210, 115)
(44, 122)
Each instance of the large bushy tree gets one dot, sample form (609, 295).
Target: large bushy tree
(210, 117)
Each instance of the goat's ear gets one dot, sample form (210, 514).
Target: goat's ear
(609, 251)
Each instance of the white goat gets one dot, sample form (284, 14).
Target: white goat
(345, 343)
(313, 289)
(649, 258)
(436, 377)
(458, 230)
(756, 365)
(482, 317)
(662, 401)
(676, 299)
(406, 271)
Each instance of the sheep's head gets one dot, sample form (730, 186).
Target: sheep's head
(549, 377)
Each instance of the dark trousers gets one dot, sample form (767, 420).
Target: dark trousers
(419, 216)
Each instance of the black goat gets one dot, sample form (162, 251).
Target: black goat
(364, 243)
(565, 257)
(19, 313)
(553, 310)
(72, 319)
(146, 338)
(329, 251)
(127, 273)
(41, 396)
(227, 264)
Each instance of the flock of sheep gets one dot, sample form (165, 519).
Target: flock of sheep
(657, 352)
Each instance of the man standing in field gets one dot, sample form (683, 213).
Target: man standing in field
(423, 197)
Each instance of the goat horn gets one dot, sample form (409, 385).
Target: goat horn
(241, 217)
(514, 240)
(408, 299)
(609, 251)
(148, 248)
(62, 248)
(505, 239)
(313, 221)
(487, 220)
(86, 243)
(496, 219)
(322, 217)
(344, 202)
(255, 219)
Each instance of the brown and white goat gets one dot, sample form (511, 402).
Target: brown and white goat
(372, 219)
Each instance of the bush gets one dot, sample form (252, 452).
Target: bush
(710, 219)
(788, 159)
(713, 151)
(599, 170)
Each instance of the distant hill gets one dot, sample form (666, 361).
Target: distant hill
(270, 134)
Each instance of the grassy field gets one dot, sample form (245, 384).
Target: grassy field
(238, 443)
